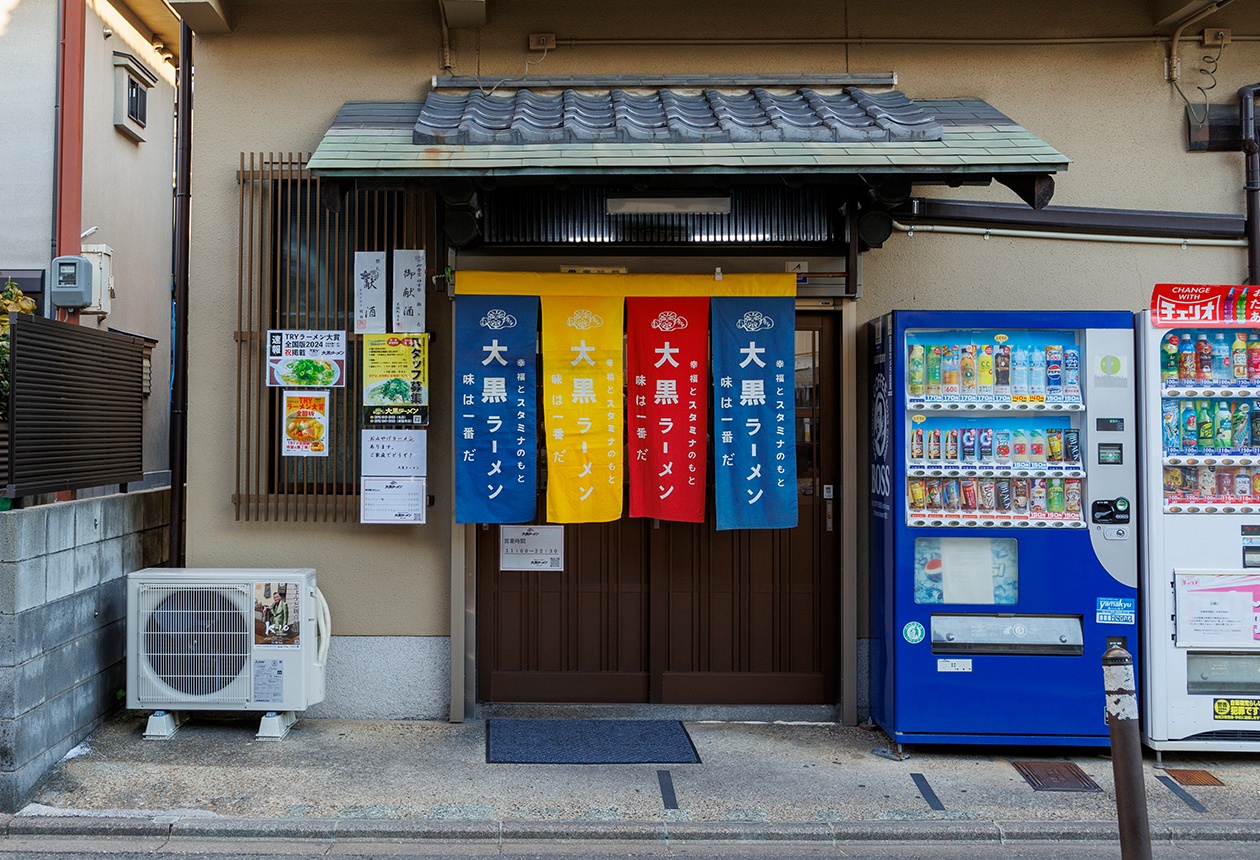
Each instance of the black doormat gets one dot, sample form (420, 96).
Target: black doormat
(589, 742)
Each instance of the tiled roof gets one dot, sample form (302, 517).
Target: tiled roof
(670, 116)
(376, 139)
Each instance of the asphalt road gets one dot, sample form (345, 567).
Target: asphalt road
(46, 848)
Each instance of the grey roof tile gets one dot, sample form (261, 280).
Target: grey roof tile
(518, 117)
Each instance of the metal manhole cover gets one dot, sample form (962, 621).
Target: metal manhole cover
(1193, 777)
(1055, 776)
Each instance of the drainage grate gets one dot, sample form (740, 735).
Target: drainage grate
(1055, 776)
(1193, 777)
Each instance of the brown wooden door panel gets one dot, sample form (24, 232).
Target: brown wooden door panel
(743, 688)
(681, 612)
(570, 687)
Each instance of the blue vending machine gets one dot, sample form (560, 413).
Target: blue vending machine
(1003, 512)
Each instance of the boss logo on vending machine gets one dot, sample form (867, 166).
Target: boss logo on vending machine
(881, 425)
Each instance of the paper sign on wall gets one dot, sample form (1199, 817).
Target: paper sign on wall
(1217, 610)
(393, 500)
(408, 283)
(531, 548)
(305, 424)
(306, 359)
(369, 291)
(395, 453)
(396, 378)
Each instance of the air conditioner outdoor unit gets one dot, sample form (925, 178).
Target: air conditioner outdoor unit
(225, 640)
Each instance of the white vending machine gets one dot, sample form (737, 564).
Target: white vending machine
(1199, 384)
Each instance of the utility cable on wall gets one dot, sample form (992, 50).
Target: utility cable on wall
(1210, 64)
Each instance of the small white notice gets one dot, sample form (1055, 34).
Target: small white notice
(395, 453)
(396, 500)
(531, 548)
(1215, 609)
(967, 575)
(269, 681)
(946, 665)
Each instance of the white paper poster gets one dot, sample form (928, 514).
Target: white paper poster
(409, 280)
(393, 500)
(531, 548)
(305, 424)
(967, 571)
(1217, 609)
(369, 292)
(395, 453)
(307, 359)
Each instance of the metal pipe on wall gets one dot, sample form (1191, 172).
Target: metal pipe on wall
(69, 156)
(1008, 233)
(1251, 186)
(1178, 226)
(179, 359)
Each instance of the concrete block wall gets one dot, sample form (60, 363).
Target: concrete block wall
(63, 606)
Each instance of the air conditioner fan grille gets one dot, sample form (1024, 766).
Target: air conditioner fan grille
(197, 640)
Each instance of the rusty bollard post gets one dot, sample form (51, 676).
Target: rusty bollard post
(1126, 755)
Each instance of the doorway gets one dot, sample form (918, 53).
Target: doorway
(647, 611)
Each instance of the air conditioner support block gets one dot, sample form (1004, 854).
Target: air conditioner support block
(275, 726)
(163, 724)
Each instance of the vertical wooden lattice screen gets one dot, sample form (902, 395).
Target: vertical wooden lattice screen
(297, 239)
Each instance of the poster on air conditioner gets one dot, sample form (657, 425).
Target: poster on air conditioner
(277, 615)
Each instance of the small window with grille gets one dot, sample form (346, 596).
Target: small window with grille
(132, 82)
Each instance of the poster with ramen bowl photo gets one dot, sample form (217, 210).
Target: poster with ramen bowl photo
(305, 424)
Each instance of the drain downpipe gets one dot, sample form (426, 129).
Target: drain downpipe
(1251, 149)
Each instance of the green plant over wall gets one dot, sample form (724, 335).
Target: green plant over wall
(11, 299)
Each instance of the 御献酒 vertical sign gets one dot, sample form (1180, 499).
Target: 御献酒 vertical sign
(496, 425)
(582, 407)
(754, 412)
(667, 401)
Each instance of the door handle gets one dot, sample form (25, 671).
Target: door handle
(829, 516)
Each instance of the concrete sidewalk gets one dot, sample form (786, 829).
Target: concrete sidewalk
(430, 780)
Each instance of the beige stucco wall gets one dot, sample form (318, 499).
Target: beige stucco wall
(28, 56)
(128, 197)
(276, 81)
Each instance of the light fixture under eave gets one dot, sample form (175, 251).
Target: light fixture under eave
(667, 204)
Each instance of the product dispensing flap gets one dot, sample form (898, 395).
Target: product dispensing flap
(1061, 635)
(1201, 305)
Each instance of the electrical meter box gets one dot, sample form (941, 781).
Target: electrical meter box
(85, 281)
(72, 282)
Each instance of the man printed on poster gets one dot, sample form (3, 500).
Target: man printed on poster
(276, 617)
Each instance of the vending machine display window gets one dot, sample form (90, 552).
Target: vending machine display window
(977, 571)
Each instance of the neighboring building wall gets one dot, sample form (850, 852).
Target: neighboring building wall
(28, 56)
(128, 196)
(276, 82)
(127, 186)
(63, 604)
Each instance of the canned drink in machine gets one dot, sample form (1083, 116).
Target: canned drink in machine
(918, 494)
(987, 494)
(1072, 445)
